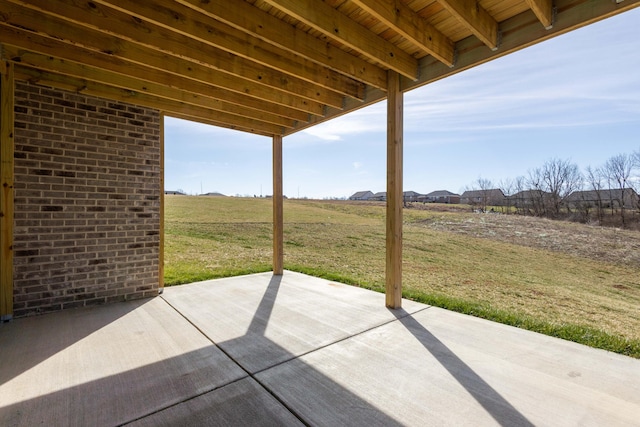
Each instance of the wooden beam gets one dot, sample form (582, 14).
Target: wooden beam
(543, 9)
(403, 20)
(57, 49)
(475, 18)
(278, 222)
(104, 51)
(269, 29)
(34, 66)
(6, 189)
(114, 23)
(213, 98)
(264, 66)
(337, 26)
(394, 192)
(221, 124)
(191, 22)
(161, 225)
(174, 108)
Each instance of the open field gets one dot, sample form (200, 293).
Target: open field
(563, 279)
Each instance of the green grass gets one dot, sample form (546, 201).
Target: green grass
(586, 335)
(591, 301)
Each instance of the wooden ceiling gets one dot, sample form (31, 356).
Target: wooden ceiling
(270, 67)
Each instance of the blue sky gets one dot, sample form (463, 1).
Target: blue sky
(574, 97)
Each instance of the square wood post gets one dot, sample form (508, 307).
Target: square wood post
(6, 189)
(394, 192)
(161, 243)
(278, 222)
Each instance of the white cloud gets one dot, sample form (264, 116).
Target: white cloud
(323, 132)
(368, 120)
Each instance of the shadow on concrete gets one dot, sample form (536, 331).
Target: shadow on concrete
(32, 333)
(134, 394)
(316, 399)
(201, 387)
(497, 406)
(260, 320)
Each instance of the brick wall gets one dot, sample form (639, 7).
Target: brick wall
(87, 200)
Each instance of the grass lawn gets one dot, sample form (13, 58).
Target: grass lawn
(563, 279)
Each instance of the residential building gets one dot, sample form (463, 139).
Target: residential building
(361, 195)
(441, 196)
(489, 197)
(410, 196)
(609, 198)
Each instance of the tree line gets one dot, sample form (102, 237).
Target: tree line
(559, 189)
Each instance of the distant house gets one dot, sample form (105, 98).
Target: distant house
(535, 201)
(441, 196)
(175, 193)
(526, 196)
(410, 196)
(609, 198)
(361, 195)
(380, 196)
(213, 195)
(489, 197)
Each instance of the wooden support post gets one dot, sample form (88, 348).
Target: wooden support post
(161, 243)
(6, 189)
(394, 192)
(278, 222)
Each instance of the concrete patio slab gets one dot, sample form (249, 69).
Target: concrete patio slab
(242, 403)
(105, 365)
(262, 320)
(259, 350)
(438, 368)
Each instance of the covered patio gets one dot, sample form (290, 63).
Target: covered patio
(298, 350)
(84, 88)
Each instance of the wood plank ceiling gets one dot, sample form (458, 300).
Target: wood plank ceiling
(270, 67)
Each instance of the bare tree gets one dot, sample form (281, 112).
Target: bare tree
(594, 178)
(618, 173)
(636, 179)
(518, 199)
(485, 185)
(507, 186)
(559, 178)
(536, 194)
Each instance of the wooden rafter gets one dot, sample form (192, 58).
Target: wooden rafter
(543, 9)
(272, 30)
(337, 26)
(145, 57)
(172, 107)
(199, 28)
(411, 26)
(475, 18)
(34, 42)
(271, 65)
(243, 107)
(117, 23)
